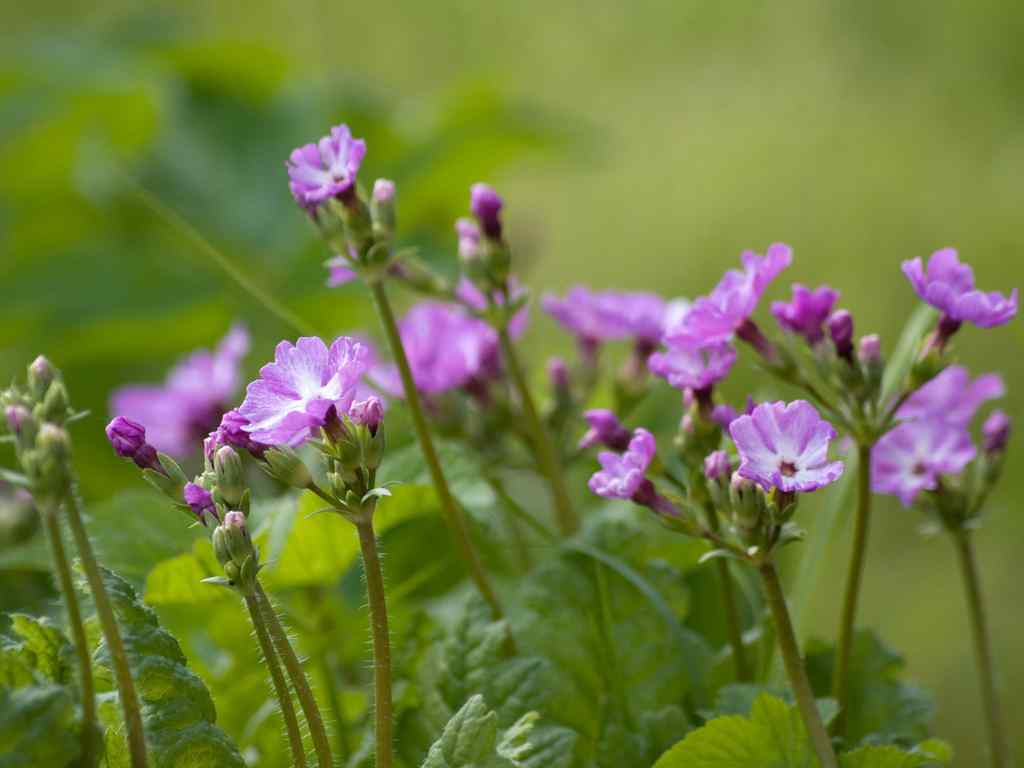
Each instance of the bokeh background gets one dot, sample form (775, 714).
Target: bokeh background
(640, 145)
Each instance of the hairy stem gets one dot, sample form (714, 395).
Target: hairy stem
(329, 671)
(381, 644)
(854, 575)
(317, 732)
(284, 695)
(454, 515)
(90, 753)
(547, 457)
(734, 623)
(795, 666)
(111, 632)
(999, 751)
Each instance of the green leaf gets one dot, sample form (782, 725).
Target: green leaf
(38, 727)
(178, 713)
(39, 651)
(902, 358)
(893, 757)
(179, 580)
(462, 468)
(772, 737)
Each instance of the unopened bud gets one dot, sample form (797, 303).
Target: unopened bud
(284, 464)
(19, 519)
(230, 478)
(746, 504)
(23, 426)
(55, 404)
(200, 501)
(869, 349)
(382, 207)
(558, 374)
(840, 329)
(41, 374)
(486, 205)
(128, 439)
(717, 467)
(605, 429)
(368, 413)
(54, 441)
(996, 432)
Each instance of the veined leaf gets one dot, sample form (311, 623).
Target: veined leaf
(893, 757)
(38, 727)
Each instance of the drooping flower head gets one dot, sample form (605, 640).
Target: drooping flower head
(197, 391)
(317, 172)
(474, 298)
(128, 439)
(605, 429)
(786, 447)
(948, 285)
(305, 386)
(621, 476)
(692, 366)
(805, 314)
(952, 397)
(913, 456)
(717, 316)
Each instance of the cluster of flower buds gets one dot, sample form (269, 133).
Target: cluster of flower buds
(235, 551)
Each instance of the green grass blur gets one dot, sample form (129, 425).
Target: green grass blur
(639, 145)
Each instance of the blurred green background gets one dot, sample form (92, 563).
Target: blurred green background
(639, 145)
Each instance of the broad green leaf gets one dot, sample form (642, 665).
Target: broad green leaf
(180, 579)
(38, 646)
(772, 737)
(178, 713)
(38, 727)
(893, 757)
(461, 465)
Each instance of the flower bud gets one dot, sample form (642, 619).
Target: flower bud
(367, 413)
(41, 374)
(605, 429)
(54, 441)
(382, 207)
(840, 329)
(869, 349)
(238, 542)
(23, 426)
(56, 404)
(558, 374)
(19, 519)
(996, 432)
(230, 477)
(128, 439)
(200, 501)
(486, 205)
(746, 502)
(717, 467)
(284, 464)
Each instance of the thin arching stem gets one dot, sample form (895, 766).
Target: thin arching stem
(281, 689)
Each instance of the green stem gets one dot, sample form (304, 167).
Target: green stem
(111, 632)
(454, 515)
(307, 701)
(383, 711)
(998, 746)
(854, 577)
(546, 455)
(511, 513)
(328, 669)
(734, 623)
(795, 666)
(90, 753)
(284, 696)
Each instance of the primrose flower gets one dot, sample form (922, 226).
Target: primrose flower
(486, 205)
(691, 366)
(640, 316)
(199, 501)
(326, 169)
(996, 432)
(188, 405)
(129, 441)
(786, 447)
(948, 285)
(717, 316)
(621, 476)
(474, 298)
(578, 313)
(306, 386)
(806, 312)
(913, 456)
(952, 397)
(605, 429)
(446, 347)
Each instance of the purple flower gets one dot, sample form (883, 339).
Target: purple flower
(232, 432)
(486, 205)
(579, 314)
(342, 270)
(474, 298)
(717, 466)
(911, 457)
(723, 415)
(691, 366)
(840, 329)
(326, 169)
(446, 348)
(621, 477)
(17, 416)
(383, 191)
(368, 413)
(640, 316)
(129, 441)
(807, 311)
(302, 389)
(190, 403)
(469, 239)
(948, 285)
(785, 447)
(869, 349)
(199, 501)
(720, 314)
(951, 397)
(996, 432)
(605, 429)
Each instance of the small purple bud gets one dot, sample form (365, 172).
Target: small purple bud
(840, 328)
(235, 519)
(605, 429)
(723, 415)
(996, 432)
(17, 417)
(368, 413)
(129, 441)
(200, 501)
(41, 374)
(383, 191)
(486, 205)
(869, 349)
(717, 466)
(558, 374)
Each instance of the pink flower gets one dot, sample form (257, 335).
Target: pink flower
(326, 169)
(913, 456)
(948, 285)
(297, 393)
(621, 477)
(952, 397)
(691, 366)
(786, 447)
(807, 311)
(605, 429)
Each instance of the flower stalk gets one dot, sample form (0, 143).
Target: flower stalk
(733, 621)
(383, 710)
